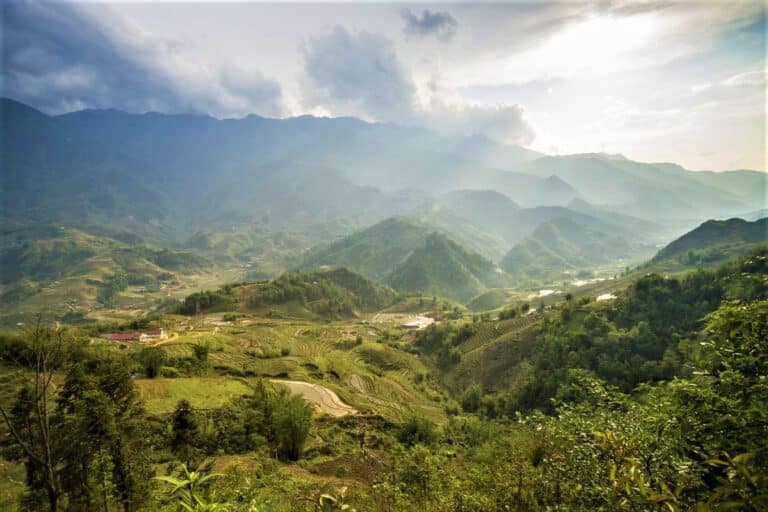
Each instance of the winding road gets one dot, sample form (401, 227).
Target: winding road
(328, 401)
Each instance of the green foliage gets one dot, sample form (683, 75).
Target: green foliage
(442, 339)
(648, 334)
(327, 502)
(208, 301)
(416, 430)
(115, 284)
(713, 242)
(189, 489)
(337, 293)
(201, 350)
(471, 398)
(292, 419)
(152, 359)
(334, 294)
(83, 444)
(184, 433)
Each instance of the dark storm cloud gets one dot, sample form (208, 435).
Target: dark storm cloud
(359, 73)
(431, 23)
(60, 57)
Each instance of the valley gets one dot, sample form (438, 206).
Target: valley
(456, 325)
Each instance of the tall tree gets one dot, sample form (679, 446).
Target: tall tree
(185, 436)
(30, 422)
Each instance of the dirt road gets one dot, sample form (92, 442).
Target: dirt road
(328, 401)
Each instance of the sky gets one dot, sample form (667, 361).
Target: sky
(653, 80)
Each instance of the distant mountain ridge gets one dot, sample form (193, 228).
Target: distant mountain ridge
(114, 166)
(569, 244)
(260, 194)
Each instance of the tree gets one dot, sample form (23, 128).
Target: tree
(292, 421)
(152, 358)
(185, 434)
(417, 430)
(103, 423)
(30, 421)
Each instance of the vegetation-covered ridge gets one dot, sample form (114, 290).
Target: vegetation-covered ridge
(443, 267)
(332, 293)
(412, 257)
(712, 243)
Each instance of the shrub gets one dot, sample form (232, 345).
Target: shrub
(417, 430)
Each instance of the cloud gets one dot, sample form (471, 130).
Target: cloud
(361, 75)
(61, 57)
(439, 24)
(358, 74)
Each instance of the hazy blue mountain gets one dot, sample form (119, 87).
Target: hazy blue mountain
(112, 166)
(567, 244)
(750, 186)
(263, 190)
(650, 191)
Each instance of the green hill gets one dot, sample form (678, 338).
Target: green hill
(713, 242)
(442, 267)
(564, 244)
(374, 252)
(337, 293)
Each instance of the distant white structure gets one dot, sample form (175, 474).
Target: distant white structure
(605, 296)
(417, 322)
(542, 293)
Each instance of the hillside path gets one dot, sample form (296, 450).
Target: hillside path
(328, 401)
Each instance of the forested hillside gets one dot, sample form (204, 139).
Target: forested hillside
(582, 405)
(330, 294)
(713, 242)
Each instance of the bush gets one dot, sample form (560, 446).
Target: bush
(201, 350)
(470, 400)
(169, 372)
(417, 430)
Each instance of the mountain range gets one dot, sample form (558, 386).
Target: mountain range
(255, 196)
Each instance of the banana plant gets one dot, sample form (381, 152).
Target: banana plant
(188, 490)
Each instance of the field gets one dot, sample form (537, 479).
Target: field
(161, 395)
